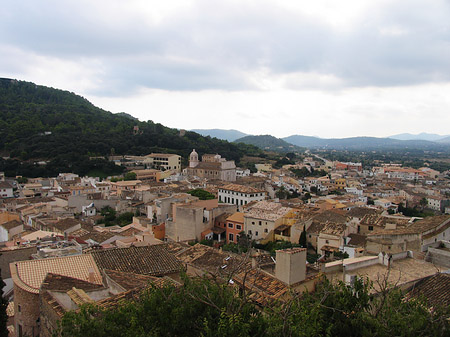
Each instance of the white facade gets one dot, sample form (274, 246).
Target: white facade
(240, 195)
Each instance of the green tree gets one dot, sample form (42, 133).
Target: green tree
(3, 305)
(302, 239)
(129, 176)
(202, 194)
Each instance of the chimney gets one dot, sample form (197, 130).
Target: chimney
(290, 266)
(91, 278)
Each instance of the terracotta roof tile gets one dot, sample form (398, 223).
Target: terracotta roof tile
(150, 260)
(30, 274)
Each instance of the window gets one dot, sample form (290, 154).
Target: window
(250, 232)
(256, 233)
(266, 230)
(370, 228)
(253, 222)
(238, 227)
(231, 237)
(230, 225)
(19, 309)
(260, 223)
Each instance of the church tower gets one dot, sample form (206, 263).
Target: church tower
(193, 159)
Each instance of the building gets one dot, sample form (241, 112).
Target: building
(262, 219)
(6, 190)
(212, 166)
(9, 229)
(163, 161)
(147, 175)
(234, 226)
(438, 203)
(240, 195)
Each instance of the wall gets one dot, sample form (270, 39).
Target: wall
(8, 256)
(439, 256)
(29, 312)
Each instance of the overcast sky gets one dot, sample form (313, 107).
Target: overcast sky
(326, 68)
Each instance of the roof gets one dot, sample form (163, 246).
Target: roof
(436, 290)
(419, 226)
(64, 283)
(148, 260)
(236, 217)
(130, 281)
(241, 188)
(66, 224)
(30, 274)
(262, 286)
(266, 210)
(360, 212)
(5, 184)
(357, 240)
(11, 224)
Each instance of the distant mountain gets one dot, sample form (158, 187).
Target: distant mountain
(229, 135)
(269, 143)
(421, 136)
(445, 140)
(364, 143)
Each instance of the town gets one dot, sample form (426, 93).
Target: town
(70, 240)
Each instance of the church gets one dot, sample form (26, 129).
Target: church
(212, 166)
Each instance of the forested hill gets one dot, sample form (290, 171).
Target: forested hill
(44, 124)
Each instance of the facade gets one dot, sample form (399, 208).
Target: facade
(234, 226)
(6, 190)
(212, 166)
(438, 203)
(240, 195)
(165, 161)
(263, 218)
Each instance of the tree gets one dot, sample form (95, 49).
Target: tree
(302, 239)
(202, 194)
(423, 203)
(129, 176)
(3, 306)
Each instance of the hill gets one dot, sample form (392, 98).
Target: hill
(269, 143)
(229, 135)
(62, 131)
(364, 143)
(421, 136)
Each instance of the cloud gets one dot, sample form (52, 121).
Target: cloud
(201, 45)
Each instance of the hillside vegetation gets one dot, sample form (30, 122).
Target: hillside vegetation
(41, 124)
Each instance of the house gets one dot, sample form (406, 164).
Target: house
(263, 218)
(438, 203)
(235, 225)
(240, 195)
(6, 190)
(28, 277)
(9, 229)
(190, 220)
(211, 167)
(163, 161)
(416, 236)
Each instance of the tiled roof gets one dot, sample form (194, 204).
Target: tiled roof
(240, 188)
(150, 260)
(359, 212)
(357, 240)
(11, 224)
(64, 283)
(5, 184)
(130, 281)
(30, 274)
(236, 217)
(66, 224)
(262, 286)
(436, 290)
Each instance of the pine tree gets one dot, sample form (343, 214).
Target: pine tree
(302, 240)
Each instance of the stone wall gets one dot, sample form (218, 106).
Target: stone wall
(26, 312)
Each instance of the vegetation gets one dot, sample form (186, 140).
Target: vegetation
(46, 131)
(273, 246)
(413, 211)
(207, 307)
(110, 217)
(305, 172)
(3, 306)
(202, 194)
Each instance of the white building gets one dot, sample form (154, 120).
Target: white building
(240, 195)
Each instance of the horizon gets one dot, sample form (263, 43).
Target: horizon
(336, 70)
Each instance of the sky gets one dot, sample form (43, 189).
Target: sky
(319, 68)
